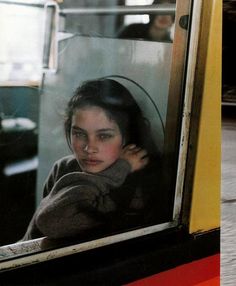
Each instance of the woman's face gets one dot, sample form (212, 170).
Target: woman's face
(96, 140)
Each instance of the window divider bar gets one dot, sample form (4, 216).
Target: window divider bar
(161, 9)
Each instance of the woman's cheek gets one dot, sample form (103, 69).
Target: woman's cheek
(77, 147)
(113, 152)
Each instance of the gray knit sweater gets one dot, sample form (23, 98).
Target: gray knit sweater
(74, 201)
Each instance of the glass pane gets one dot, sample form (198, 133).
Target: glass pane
(141, 67)
(151, 27)
(90, 49)
(21, 37)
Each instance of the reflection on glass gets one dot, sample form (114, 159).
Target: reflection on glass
(149, 27)
(156, 28)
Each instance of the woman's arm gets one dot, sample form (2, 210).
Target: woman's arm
(79, 202)
(69, 212)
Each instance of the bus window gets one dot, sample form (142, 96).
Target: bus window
(152, 74)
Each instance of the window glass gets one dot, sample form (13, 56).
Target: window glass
(21, 37)
(89, 47)
(150, 26)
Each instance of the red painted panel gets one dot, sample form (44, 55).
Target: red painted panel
(203, 272)
(212, 282)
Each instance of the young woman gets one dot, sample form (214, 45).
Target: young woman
(93, 189)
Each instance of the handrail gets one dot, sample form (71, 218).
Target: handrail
(50, 36)
(162, 9)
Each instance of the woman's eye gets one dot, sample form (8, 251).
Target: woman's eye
(80, 135)
(105, 136)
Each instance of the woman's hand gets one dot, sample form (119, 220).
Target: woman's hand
(136, 156)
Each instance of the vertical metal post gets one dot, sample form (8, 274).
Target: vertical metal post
(50, 36)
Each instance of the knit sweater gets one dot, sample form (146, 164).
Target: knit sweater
(75, 201)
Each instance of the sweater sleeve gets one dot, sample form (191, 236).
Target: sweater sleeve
(79, 201)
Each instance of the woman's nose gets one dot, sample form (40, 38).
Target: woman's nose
(91, 147)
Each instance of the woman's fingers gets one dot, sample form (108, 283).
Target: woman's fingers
(136, 156)
(132, 148)
(141, 153)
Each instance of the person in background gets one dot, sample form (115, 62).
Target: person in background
(158, 28)
(98, 187)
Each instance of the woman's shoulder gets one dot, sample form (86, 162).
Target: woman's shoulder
(60, 168)
(68, 160)
(67, 164)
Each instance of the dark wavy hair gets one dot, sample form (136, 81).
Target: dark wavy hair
(118, 104)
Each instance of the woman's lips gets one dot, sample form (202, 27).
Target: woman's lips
(91, 162)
